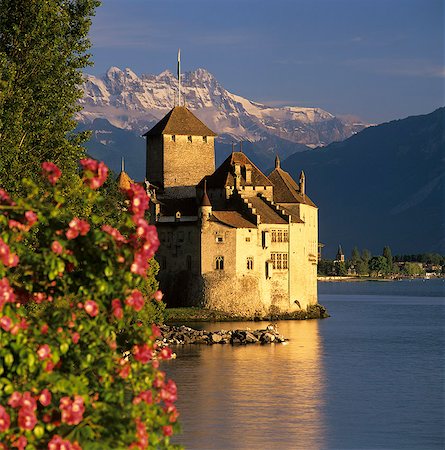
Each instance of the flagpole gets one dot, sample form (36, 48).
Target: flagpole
(179, 77)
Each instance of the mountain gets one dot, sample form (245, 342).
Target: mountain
(383, 186)
(135, 104)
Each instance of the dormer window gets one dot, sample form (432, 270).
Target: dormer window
(189, 138)
(173, 138)
(204, 139)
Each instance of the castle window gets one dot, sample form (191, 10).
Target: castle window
(280, 236)
(249, 263)
(204, 139)
(248, 239)
(189, 138)
(173, 138)
(274, 235)
(219, 263)
(189, 262)
(279, 261)
(285, 236)
(219, 239)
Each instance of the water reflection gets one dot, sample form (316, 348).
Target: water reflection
(253, 397)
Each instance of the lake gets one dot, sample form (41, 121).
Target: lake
(369, 377)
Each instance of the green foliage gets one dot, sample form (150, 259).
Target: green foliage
(412, 269)
(355, 256)
(43, 48)
(378, 265)
(326, 268)
(78, 353)
(388, 255)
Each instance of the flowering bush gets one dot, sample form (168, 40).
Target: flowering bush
(79, 368)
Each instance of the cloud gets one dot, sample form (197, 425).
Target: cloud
(399, 67)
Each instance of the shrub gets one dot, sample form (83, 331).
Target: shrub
(79, 367)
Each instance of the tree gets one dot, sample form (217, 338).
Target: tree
(378, 265)
(43, 48)
(355, 256)
(388, 255)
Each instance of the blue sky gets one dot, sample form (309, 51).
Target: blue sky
(376, 59)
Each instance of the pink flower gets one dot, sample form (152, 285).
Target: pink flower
(15, 400)
(145, 396)
(142, 353)
(56, 247)
(95, 173)
(76, 227)
(91, 308)
(20, 443)
(117, 310)
(5, 420)
(28, 401)
(138, 200)
(27, 418)
(116, 234)
(44, 352)
(125, 371)
(45, 397)
(6, 257)
(72, 411)
(4, 198)
(165, 353)
(155, 331)
(31, 218)
(167, 430)
(57, 443)
(44, 328)
(6, 293)
(49, 366)
(141, 434)
(5, 323)
(135, 300)
(51, 172)
(75, 337)
(158, 296)
(169, 392)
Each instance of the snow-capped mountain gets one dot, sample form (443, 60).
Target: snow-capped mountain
(135, 103)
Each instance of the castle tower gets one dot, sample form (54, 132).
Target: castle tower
(205, 209)
(302, 183)
(180, 152)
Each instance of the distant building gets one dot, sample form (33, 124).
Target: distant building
(232, 239)
(340, 257)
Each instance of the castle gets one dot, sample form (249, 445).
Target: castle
(232, 239)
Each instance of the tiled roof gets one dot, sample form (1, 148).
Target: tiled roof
(224, 174)
(286, 190)
(266, 213)
(124, 181)
(232, 218)
(294, 212)
(182, 122)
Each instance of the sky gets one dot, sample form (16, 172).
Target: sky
(378, 60)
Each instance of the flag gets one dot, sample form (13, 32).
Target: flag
(179, 64)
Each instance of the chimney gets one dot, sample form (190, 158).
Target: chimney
(248, 174)
(237, 175)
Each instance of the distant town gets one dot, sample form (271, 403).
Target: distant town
(362, 264)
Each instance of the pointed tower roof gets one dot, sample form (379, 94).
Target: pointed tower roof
(205, 198)
(123, 180)
(277, 161)
(340, 250)
(286, 190)
(180, 121)
(224, 174)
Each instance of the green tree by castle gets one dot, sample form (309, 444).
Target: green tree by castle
(43, 48)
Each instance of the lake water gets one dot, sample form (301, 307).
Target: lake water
(369, 377)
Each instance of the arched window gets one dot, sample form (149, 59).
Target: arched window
(249, 263)
(189, 138)
(219, 263)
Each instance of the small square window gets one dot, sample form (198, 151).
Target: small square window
(220, 239)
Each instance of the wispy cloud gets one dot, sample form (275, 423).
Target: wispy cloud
(400, 67)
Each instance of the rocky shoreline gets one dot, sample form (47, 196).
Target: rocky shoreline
(181, 335)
